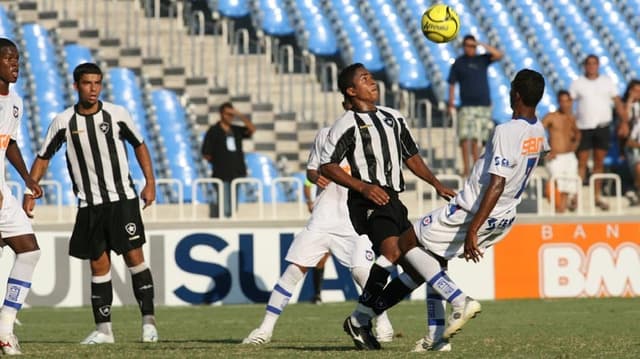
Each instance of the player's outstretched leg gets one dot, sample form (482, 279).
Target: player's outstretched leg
(101, 299)
(142, 282)
(18, 286)
(430, 268)
(279, 299)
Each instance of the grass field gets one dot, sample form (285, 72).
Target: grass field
(570, 328)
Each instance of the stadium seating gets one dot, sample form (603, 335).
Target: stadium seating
(7, 26)
(75, 55)
(233, 8)
(264, 169)
(316, 33)
(272, 17)
(354, 34)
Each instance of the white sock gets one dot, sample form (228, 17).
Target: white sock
(18, 286)
(435, 314)
(360, 275)
(104, 328)
(280, 296)
(430, 269)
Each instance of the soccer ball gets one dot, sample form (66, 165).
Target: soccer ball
(440, 23)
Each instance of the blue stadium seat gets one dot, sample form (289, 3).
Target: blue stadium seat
(263, 168)
(359, 37)
(320, 38)
(7, 26)
(274, 18)
(172, 124)
(233, 8)
(76, 55)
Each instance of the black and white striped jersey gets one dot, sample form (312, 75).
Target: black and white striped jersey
(96, 153)
(375, 143)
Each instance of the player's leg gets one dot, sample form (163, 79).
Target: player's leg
(143, 290)
(436, 313)
(601, 147)
(306, 250)
(18, 284)
(318, 278)
(101, 300)
(584, 149)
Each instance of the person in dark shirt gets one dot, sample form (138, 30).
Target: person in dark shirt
(474, 120)
(222, 147)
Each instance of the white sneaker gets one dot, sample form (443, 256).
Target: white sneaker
(257, 337)
(427, 344)
(384, 333)
(149, 333)
(460, 316)
(9, 345)
(97, 337)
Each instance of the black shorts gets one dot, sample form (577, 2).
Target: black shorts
(596, 138)
(378, 222)
(115, 226)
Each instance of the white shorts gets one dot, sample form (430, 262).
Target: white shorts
(13, 221)
(565, 165)
(308, 247)
(443, 231)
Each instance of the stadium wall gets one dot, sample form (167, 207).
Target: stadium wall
(226, 262)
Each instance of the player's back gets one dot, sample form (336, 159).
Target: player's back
(513, 153)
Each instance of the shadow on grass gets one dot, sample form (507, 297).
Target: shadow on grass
(323, 348)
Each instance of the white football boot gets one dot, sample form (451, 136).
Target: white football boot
(257, 337)
(460, 316)
(427, 344)
(149, 333)
(97, 337)
(9, 344)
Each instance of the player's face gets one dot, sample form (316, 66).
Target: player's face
(89, 87)
(634, 93)
(365, 87)
(9, 64)
(566, 104)
(227, 115)
(591, 67)
(469, 47)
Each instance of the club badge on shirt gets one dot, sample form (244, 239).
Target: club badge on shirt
(16, 111)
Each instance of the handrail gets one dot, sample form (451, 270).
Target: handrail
(241, 38)
(600, 176)
(197, 16)
(329, 71)
(285, 63)
(264, 87)
(180, 186)
(552, 190)
(428, 115)
(234, 200)
(274, 204)
(194, 192)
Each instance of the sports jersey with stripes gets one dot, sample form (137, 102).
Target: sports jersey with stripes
(375, 144)
(96, 152)
(10, 115)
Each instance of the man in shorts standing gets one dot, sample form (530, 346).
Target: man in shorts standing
(474, 117)
(108, 217)
(15, 227)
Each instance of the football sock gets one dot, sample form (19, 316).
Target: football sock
(430, 269)
(378, 276)
(18, 286)
(101, 298)
(400, 287)
(142, 282)
(318, 278)
(280, 296)
(435, 314)
(360, 275)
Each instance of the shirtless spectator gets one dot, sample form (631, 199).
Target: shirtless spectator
(564, 138)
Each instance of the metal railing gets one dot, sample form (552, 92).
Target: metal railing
(592, 190)
(201, 182)
(299, 195)
(577, 182)
(234, 195)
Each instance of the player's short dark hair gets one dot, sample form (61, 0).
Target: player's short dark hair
(530, 85)
(86, 68)
(345, 78)
(224, 106)
(562, 93)
(4, 42)
(468, 37)
(590, 56)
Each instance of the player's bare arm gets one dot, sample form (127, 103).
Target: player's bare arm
(251, 128)
(370, 191)
(420, 169)
(15, 157)
(576, 135)
(623, 113)
(316, 178)
(487, 203)
(38, 170)
(148, 193)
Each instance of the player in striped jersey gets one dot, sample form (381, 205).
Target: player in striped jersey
(108, 217)
(15, 227)
(376, 142)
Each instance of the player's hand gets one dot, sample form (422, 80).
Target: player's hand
(36, 190)
(28, 204)
(148, 194)
(471, 250)
(375, 194)
(551, 155)
(445, 192)
(322, 181)
(623, 130)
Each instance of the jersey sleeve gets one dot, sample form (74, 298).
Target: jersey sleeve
(53, 140)
(339, 142)
(128, 128)
(409, 146)
(504, 154)
(313, 163)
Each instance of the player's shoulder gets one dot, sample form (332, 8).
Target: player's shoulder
(112, 107)
(65, 115)
(395, 113)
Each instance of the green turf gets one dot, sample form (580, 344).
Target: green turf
(569, 328)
